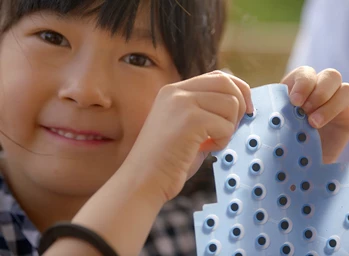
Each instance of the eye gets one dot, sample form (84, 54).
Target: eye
(139, 60)
(54, 38)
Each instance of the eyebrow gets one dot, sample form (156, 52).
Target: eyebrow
(142, 34)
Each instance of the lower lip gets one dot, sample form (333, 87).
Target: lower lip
(78, 142)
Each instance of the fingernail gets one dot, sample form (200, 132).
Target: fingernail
(237, 126)
(297, 99)
(227, 70)
(317, 120)
(251, 110)
(307, 107)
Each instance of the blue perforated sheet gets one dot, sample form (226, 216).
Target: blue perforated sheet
(274, 195)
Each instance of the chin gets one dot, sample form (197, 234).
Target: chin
(77, 175)
(71, 178)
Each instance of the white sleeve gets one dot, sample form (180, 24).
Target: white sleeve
(323, 39)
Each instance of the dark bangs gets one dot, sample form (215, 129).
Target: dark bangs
(190, 29)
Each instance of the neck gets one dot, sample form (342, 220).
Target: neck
(43, 207)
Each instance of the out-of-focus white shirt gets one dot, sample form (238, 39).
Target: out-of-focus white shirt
(323, 40)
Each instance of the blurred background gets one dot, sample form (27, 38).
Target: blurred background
(259, 38)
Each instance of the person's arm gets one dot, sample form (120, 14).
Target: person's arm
(182, 127)
(121, 212)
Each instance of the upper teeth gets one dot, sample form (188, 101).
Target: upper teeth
(75, 136)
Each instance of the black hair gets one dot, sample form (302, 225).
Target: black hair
(190, 29)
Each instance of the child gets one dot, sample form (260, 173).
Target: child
(104, 118)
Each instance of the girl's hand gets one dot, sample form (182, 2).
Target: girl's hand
(325, 99)
(188, 120)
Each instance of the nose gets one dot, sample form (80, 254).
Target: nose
(87, 86)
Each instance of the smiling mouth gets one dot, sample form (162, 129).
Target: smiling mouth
(71, 135)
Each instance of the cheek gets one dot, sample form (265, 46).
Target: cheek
(135, 105)
(21, 93)
(137, 100)
(135, 112)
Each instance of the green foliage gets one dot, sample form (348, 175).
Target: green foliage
(250, 11)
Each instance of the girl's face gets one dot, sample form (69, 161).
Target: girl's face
(73, 99)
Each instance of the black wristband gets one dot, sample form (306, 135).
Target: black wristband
(67, 229)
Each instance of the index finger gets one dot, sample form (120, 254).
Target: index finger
(300, 82)
(246, 92)
(243, 87)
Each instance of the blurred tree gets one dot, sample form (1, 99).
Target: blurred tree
(266, 10)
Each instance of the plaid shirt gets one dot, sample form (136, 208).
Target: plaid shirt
(172, 232)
